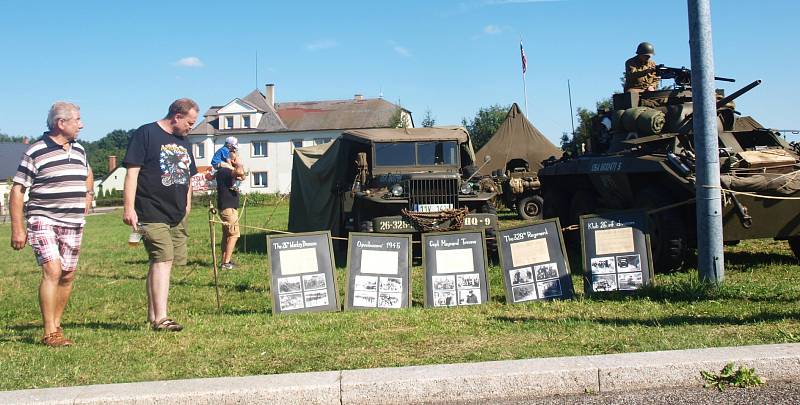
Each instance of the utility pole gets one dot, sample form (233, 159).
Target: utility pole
(710, 261)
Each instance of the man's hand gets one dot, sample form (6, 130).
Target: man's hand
(129, 217)
(18, 238)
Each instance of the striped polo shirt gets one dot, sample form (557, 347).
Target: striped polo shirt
(57, 181)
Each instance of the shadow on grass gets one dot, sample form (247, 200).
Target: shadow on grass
(675, 320)
(692, 290)
(749, 259)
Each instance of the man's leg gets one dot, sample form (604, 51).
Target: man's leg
(63, 292)
(48, 294)
(229, 245)
(158, 290)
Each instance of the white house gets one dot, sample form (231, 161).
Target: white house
(113, 181)
(268, 131)
(10, 155)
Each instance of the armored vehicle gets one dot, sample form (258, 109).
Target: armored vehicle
(641, 156)
(404, 180)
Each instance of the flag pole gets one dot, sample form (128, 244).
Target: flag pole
(524, 69)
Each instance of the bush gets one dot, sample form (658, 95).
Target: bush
(253, 199)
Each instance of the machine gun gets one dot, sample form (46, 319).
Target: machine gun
(682, 75)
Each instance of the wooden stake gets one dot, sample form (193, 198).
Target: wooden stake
(213, 233)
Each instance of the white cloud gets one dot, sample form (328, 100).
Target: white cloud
(492, 29)
(189, 61)
(402, 51)
(321, 45)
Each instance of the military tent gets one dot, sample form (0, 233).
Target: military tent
(516, 138)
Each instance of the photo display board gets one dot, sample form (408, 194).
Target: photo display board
(616, 251)
(534, 262)
(377, 271)
(302, 278)
(455, 268)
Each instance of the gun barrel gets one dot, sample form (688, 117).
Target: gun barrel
(724, 79)
(727, 99)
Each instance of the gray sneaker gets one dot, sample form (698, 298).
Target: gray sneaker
(228, 266)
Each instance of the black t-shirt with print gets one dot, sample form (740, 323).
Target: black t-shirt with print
(226, 198)
(166, 164)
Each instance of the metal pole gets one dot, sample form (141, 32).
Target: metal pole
(571, 115)
(710, 261)
(213, 235)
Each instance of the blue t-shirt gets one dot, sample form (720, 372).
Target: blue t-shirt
(222, 154)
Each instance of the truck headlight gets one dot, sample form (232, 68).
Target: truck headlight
(466, 188)
(397, 190)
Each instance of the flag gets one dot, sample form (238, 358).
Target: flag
(524, 59)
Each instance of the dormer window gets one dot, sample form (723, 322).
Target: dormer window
(245, 121)
(229, 122)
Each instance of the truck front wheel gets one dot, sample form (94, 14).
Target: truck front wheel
(530, 207)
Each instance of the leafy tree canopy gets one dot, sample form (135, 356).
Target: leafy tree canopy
(583, 131)
(428, 120)
(485, 123)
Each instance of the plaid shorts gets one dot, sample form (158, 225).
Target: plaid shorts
(52, 241)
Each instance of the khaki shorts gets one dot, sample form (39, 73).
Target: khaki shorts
(165, 243)
(231, 228)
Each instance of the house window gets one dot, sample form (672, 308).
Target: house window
(320, 141)
(259, 179)
(245, 121)
(260, 149)
(201, 151)
(296, 143)
(229, 122)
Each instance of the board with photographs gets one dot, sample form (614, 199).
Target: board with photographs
(377, 271)
(455, 268)
(616, 251)
(534, 262)
(301, 271)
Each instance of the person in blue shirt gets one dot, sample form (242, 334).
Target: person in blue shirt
(222, 157)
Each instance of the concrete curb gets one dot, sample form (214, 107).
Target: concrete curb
(439, 383)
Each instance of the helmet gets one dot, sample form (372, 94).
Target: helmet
(645, 48)
(232, 141)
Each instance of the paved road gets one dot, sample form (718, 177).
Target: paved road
(774, 392)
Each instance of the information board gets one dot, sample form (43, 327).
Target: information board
(377, 271)
(301, 270)
(534, 262)
(616, 251)
(455, 268)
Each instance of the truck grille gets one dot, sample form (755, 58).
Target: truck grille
(426, 193)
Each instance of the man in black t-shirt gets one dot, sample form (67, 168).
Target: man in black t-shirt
(158, 198)
(227, 204)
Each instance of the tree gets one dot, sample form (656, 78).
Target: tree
(428, 120)
(485, 123)
(397, 120)
(584, 129)
(8, 138)
(113, 144)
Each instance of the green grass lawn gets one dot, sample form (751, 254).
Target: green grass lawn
(759, 303)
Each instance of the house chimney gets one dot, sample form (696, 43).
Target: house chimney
(112, 163)
(358, 97)
(270, 95)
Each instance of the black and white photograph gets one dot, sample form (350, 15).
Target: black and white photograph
(365, 299)
(524, 292)
(630, 281)
(469, 297)
(444, 298)
(545, 271)
(289, 284)
(314, 282)
(291, 301)
(366, 283)
(522, 275)
(549, 289)
(604, 265)
(316, 298)
(629, 263)
(389, 300)
(443, 283)
(604, 282)
(472, 280)
(391, 284)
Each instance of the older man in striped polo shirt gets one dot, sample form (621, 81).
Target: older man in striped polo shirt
(56, 171)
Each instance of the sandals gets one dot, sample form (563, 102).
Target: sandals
(166, 325)
(56, 339)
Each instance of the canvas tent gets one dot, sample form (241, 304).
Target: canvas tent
(516, 138)
(320, 173)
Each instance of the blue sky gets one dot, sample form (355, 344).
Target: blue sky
(124, 62)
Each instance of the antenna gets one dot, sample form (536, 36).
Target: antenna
(571, 115)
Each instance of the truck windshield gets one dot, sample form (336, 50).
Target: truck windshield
(416, 153)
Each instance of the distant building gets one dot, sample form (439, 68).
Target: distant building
(268, 131)
(10, 155)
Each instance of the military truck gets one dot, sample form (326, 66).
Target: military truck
(519, 188)
(641, 156)
(391, 180)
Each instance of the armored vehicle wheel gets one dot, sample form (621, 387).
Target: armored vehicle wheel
(668, 236)
(530, 207)
(556, 205)
(794, 243)
(583, 202)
